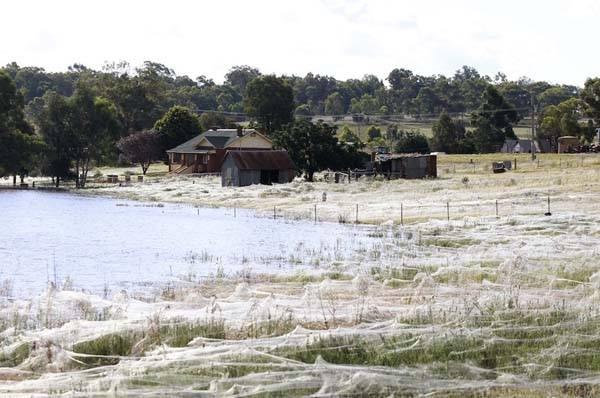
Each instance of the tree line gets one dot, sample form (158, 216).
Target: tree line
(142, 94)
(62, 123)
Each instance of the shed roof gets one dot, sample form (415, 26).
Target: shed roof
(261, 160)
(384, 157)
(218, 139)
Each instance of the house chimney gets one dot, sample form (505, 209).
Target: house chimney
(240, 131)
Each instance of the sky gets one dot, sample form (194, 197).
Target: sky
(552, 40)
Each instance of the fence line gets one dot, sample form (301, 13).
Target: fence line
(411, 213)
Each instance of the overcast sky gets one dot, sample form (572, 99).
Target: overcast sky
(553, 40)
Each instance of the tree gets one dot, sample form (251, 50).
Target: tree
(373, 132)
(314, 147)
(32, 82)
(517, 94)
(18, 143)
(239, 77)
(142, 147)
(412, 142)
(591, 97)
(557, 94)
(589, 131)
(366, 104)
(135, 107)
(404, 88)
(313, 90)
(176, 126)
(209, 120)
(270, 101)
(94, 129)
(471, 86)
(562, 119)
(426, 101)
(55, 127)
(303, 110)
(78, 132)
(400, 79)
(334, 104)
(493, 121)
(348, 136)
(450, 136)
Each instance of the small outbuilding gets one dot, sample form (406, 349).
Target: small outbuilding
(243, 168)
(567, 143)
(406, 165)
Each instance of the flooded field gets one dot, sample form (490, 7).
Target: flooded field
(99, 244)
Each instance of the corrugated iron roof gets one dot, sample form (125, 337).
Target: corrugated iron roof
(384, 157)
(219, 139)
(261, 160)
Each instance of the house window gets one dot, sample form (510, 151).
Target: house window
(204, 159)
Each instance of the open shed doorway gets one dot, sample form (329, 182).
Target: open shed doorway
(268, 177)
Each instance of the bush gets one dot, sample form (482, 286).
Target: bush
(373, 132)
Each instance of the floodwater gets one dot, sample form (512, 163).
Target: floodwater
(101, 243)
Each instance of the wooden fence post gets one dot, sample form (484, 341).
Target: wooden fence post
(401, 214)
(548, 213)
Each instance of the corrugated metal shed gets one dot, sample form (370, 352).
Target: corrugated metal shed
(261, 160)
(406, 165)
(567, 142)
(242, 168)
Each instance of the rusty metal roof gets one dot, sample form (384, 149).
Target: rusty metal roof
(261, 160)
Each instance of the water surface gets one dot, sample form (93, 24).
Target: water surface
(99, 242)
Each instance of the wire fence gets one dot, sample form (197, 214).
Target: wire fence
(405, 213)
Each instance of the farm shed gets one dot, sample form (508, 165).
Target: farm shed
(406, 166)
(243, 168)
(567, 143)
